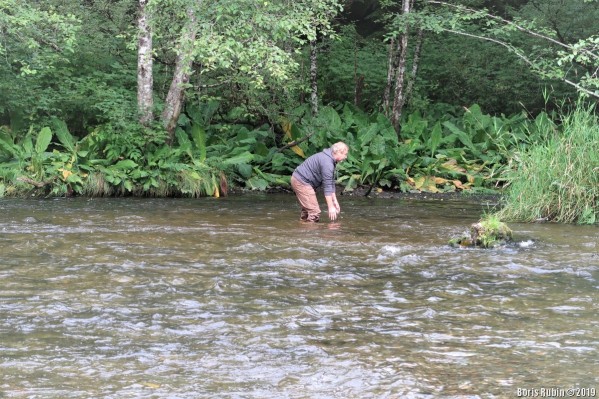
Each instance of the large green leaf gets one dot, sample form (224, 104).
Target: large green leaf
(257, 183)
(461, 135)
(183, 139)
(245, 157)
(329, 117)
(435, 139)
(11, 149)
(201, 114)
(43, 140)
(415, 126)
(377, 146)
(245, 170)
(386, 128)
(125, 164)
(198, 135)
(64, 136)
(366, 134)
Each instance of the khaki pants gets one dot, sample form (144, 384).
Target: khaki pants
(306, 197)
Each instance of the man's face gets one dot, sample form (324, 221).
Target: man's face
(340, 156)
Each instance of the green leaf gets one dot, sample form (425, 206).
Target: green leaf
(352, 183)
(74, 178)
(198, 134)
(63, 134)
(43, 140)
(415, 127)
(367, 134)
(10, 148)
(436, 136)
(330, 118)
(257, 183)
(245, 170)
(201, 114)
(183, 139)
(261, 149)
(125, 164)
(28, 144)
(244, 157)
(461, 135)
(377, 146)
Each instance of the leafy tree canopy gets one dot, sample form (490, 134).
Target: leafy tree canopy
(567, 51)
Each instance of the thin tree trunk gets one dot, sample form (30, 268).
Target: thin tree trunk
(402, 53)
(358, 79)
(145, 80)
(313, 77)
(302, 95)
(391, 69)
(415, 64)
(359, 89)
(174, 99)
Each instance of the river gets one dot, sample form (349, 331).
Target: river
(235, 298)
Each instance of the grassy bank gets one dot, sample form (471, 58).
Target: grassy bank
(557, 179)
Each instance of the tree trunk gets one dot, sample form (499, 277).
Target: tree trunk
(399, 94)
(415, 64)
(145, 81)
(174, 99)
(391, 69)
(302, 95)
(359, 88)
(358, 80)
(313, 77)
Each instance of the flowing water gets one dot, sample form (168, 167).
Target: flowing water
(235, 298)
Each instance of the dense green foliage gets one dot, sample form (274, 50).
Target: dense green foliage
(438, 152)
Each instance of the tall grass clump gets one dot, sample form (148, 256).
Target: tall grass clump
(557, 179)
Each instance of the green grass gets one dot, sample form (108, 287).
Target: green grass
(557, 179)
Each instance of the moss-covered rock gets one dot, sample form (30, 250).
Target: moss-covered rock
(489, 232)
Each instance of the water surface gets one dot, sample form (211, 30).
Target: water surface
(235, 298)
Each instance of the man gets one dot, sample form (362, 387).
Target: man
(318, 170)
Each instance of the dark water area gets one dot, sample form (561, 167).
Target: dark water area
(235, 298)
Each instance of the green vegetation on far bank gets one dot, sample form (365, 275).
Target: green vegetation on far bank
(557, 179)
(547, 171)
(436, 153)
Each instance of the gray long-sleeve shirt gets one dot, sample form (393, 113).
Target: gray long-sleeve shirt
(318, 170)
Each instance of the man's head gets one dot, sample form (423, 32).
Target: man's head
(339, 151)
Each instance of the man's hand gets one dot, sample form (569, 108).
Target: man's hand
(333, 212)
(336, 205)
(333, 204)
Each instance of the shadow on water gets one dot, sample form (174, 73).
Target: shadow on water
(235, 298)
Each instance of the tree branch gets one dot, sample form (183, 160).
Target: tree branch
(518, 27)
(522, 57)
(296, 142)
(53, 46)
(38, 184)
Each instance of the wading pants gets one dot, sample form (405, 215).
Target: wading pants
(306, 197)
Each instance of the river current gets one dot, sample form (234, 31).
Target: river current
(235, 298)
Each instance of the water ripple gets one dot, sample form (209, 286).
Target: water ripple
(236, 299)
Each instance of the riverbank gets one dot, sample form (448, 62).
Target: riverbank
(392, 194)
(398, 195)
